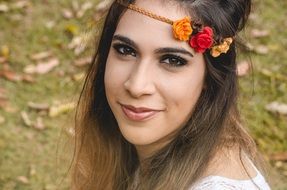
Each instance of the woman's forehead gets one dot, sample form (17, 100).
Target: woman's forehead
(164, 8)
(147, 31)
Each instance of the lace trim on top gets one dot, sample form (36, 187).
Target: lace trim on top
(223, 183)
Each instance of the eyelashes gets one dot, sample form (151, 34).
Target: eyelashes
(124, 50)
(173, 60)
(170, 60)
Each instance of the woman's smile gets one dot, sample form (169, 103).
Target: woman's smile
(138, 113)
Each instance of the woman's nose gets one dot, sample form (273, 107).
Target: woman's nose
(140, 81)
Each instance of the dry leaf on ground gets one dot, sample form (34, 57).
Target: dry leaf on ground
(103, 5)
(32, 170)
(100, 10)
(2, 119)
(20, 4)
(5, 51)
(82, 61)
(243, 68)
(3, 60)
(261, 49)
(257, 33)
(4, 8)
(23, 179)
(39, 124)
(78, 76)
(10, 75)
(281, 156)
(10, 109)
(3, 98)
(67, 13)
(60, 109)
(70, 131)
(28, 78)
(42, 67)
(249, 46)
(26, 119)
(84, 7)
(39, 106)
(50, 24)
(4, 104)
(277, 107)
(278, 164)
(78, 44)
(41, 55)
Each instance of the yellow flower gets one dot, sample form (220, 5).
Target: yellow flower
(221, 48)
(182, 29)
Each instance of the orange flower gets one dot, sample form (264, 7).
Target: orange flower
(221, 48)
(182, 29)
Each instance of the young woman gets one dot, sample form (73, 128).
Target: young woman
(158, 110)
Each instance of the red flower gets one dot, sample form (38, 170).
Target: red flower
(202, 40)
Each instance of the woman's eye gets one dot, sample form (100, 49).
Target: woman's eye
(124, 50)
(173, 60)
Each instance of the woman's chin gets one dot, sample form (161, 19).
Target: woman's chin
(139, 140)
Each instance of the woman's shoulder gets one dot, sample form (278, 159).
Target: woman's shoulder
(230, 171)
(223, 183)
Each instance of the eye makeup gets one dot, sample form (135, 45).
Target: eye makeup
(172, 60)
(124, 50)
(169, 59)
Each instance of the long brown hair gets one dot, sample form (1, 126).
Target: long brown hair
(105, 160)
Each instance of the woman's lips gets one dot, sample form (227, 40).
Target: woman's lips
(138, 114)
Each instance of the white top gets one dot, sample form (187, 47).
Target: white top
(223, 183)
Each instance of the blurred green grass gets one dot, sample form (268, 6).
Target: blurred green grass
(32, 153)
(269, 129)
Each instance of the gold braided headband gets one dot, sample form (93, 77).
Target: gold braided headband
(200, 37)
(150, 14)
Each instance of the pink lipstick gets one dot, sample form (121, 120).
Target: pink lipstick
(138, 114)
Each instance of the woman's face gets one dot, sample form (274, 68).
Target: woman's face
(152, 81)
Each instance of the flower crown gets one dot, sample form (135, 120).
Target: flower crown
(199, 37)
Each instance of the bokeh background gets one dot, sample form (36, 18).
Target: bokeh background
(45, 49)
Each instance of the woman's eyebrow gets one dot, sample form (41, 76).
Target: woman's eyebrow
(173, 50)
(125, 40)
(158, 51)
